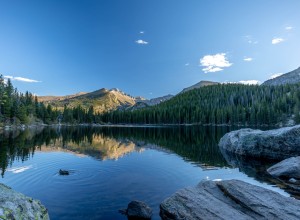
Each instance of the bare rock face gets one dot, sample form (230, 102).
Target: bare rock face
(286, 169)
(275, 144)
(14, 205)
(230, 199)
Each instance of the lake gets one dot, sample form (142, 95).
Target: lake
(111, 166)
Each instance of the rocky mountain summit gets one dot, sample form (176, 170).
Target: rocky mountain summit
(102, 100)
(288, 78)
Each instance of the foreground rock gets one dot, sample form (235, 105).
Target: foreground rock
(138, 210)
(275, 144)
(231, 199)
(286, 169)
(14, 205)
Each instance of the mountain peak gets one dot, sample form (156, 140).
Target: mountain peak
(115, 89)
(200, 84)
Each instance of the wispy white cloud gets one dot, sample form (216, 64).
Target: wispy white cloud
(187, 64)
(8, 77)
(141, 42)
(21, 79)
(214, 63)
(272, 76)
(288, 28)
(277, 40)
(248, 59)
(142, 32)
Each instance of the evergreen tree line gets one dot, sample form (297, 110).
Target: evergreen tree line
(78, 115)
(16, 107)
(232, 104)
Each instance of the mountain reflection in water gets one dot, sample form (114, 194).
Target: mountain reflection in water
(195, 144)
(111, 166)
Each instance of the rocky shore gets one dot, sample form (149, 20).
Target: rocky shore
(252, 151)
(21, 127)
(230, 199)
(14, 205)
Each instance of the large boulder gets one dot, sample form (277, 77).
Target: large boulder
(275, 144)
(230, 199)
(137, 210)
(14, 205)
(286, 169)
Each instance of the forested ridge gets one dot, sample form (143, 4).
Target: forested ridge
(18, 108)
(23, 108)
(230, 104)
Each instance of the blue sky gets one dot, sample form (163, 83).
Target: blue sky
(145, 47)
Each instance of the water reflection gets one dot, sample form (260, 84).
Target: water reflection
(257, 169)
(196, 144)
(110, 166)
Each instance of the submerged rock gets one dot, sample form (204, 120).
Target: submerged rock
(137, 210)
(14, 205)
(275, 144)
(230, 199)
(287, 169)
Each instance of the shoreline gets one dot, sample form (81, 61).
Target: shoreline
(23, 127)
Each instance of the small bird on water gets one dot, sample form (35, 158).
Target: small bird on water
(63, 172)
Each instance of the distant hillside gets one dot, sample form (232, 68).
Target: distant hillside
(102, 100)
(292, 77)
(156, 101)
(46, 99)
(199, 85)
(146, 102)
(223, 104)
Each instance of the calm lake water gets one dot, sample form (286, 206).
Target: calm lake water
(111, 166)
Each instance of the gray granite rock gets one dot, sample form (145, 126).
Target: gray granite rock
(138, 210)
(14, 205)
(230, 199)
(286, 169)
(277, 144)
